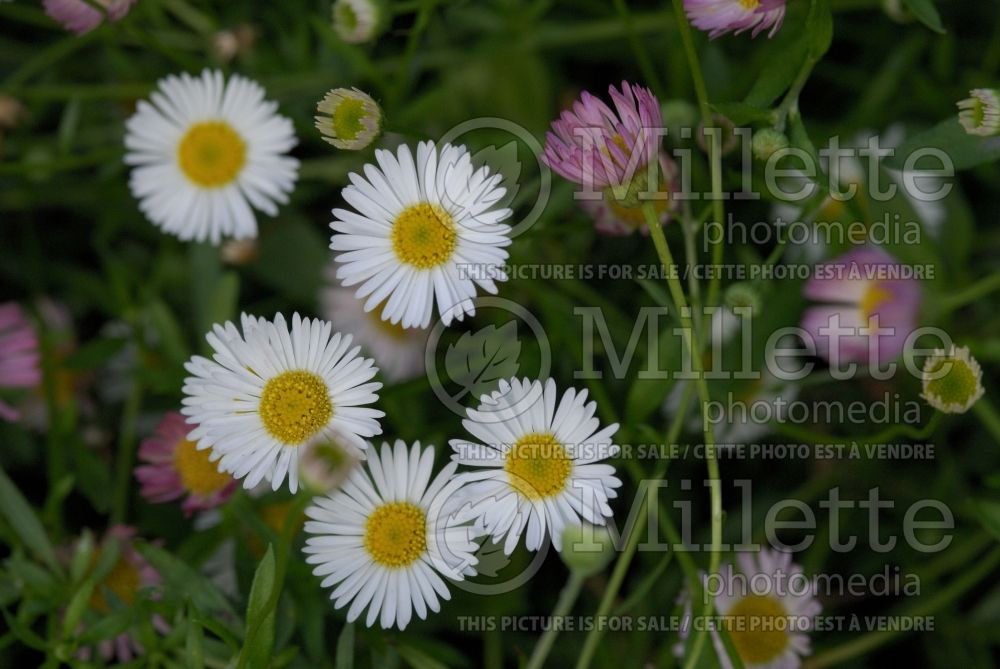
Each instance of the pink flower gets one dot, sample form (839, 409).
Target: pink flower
(718, 17)
(860, 291)
(592, 145)
(176, 468)
(130, 574)
(614, 219)
(80, 17)
(19, 358)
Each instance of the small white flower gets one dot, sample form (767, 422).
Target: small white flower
(388, 535)
(268, 391)
(979, 113)
(424, 231)
(398, 351)
(768, 629)
(952, 381)
(356, 21)
(539, 457)
(204, 151)
(349, 119)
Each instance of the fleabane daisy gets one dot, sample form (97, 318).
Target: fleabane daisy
(718, 17)
(204, 151)
(425, 231)
(539, 458)
(979, 113)
(399, 351)
(269, 390)
(388, 535)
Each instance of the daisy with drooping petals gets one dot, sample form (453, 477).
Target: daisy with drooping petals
(19, 357)
(357, 21)
(325, 464)
(81, 17)
(718, 17)
(598, 147)
(270, 389)
(175, 468)
(613, 218)
(388, 535)
(399, 351)
(540, 462)
(979, 113)
(425, 231)
(204, 151)
(870, 307)
(350, 119)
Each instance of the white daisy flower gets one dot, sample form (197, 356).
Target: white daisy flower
(205, 150)
(541, 463)
(767, 624)
(424, 231)
(387, 536)
(398, 351)
(357, 21)
(267, 391)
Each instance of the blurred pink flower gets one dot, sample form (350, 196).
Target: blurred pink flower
(718, 17)
(19, 357)
(80, 17)
(130, 574)
(861, 290)
(176, 468)
(595, 146)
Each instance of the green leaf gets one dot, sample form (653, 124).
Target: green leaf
(193, 644)
(95, 353)
(25, 523)
(418, 659)
(741, 113)
(819, 28)
(179, 577)
(259, 643)
(927, 13)
(965, 150)
(345, 648)
(988, 513)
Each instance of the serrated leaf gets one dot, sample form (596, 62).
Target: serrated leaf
(965, 150)
(479, 360)
(926, 13)
(18, 512)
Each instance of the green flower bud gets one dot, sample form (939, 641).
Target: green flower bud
(743, 295)
(586, 549)
(768, 142)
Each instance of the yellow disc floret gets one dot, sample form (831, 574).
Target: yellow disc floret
(294, 406)
(538, 465)
(198, 474)
(396, 534)
(423, 235)
(758, 626)
(211, 154)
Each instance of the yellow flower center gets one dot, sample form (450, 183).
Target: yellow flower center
(396, 534)
(123, 580)
(875, 295)
(211, 154)
(759, 628)
(294, 406)
(198, 474)
(749, 5)
(424, 236)
(537, 465)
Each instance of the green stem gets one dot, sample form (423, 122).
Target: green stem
(715, 149)
(969, 294)
(567, 598)
(635, 533)
(923, 607)
(988, 416)
(893, 431)
(125, 456)
(694, 350)
(638, 50)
